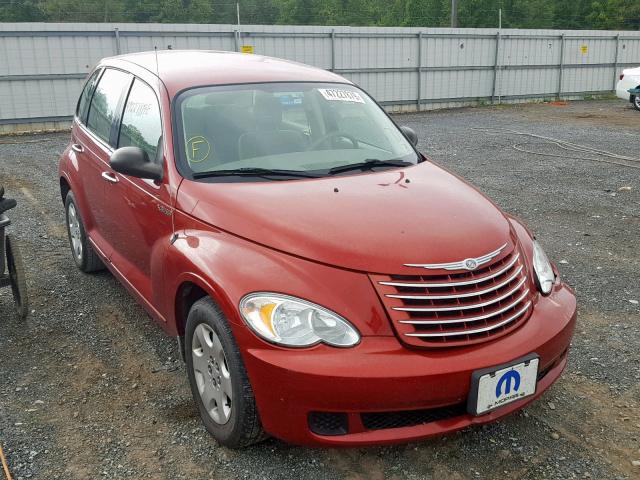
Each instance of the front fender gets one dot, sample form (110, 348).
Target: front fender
(228, 267)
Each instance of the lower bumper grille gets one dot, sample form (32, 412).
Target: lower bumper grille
(454, 309)
(336, 423)
(382, 420)
(328, 423)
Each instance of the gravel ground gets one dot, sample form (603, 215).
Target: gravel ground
(91, 387)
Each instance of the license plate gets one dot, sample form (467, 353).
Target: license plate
(494, 387)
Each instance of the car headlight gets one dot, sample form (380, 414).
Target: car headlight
(294, 322)
(542, 266)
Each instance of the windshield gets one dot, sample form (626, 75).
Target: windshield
(289, 127)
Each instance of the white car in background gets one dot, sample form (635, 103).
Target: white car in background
(630, 79)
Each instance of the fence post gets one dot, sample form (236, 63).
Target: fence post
(116, 32)
(561, 73)
(615, 62)
(333, 49)
(496, 68)
(236, 35)
(419, 71)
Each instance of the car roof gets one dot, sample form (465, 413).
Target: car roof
(181, 69)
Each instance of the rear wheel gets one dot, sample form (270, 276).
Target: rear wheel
(218, 379)
(86, 259)
(636, 101)
(15, 265)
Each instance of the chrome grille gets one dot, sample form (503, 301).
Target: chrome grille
(462, 308)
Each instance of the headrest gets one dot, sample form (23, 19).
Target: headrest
(268, 112)
(221, 98)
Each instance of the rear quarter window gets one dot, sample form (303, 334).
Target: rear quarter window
(85, 96)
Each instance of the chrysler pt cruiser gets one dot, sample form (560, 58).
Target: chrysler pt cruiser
(327, 283)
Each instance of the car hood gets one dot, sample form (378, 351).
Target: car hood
(372, 222)
(635, 72)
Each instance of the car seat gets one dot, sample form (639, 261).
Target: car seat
(220, 123)
(269, 136)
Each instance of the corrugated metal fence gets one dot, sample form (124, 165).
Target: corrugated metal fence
(42, 66)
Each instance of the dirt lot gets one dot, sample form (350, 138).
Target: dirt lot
(91, 388)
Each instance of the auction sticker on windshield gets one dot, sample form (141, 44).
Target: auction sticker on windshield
(494, 387)
(338, 95)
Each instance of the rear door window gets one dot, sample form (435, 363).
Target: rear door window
(83, 102)
(103, 111)
(141, 125)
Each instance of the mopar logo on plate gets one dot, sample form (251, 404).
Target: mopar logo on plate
(506, 381)
(504, 385)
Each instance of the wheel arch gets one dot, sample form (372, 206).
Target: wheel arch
(65, 188)
(191, 288)
(188, 293)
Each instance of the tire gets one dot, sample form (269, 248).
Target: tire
(83, 254)
(635, 100)
(218, 379)
(17, 276)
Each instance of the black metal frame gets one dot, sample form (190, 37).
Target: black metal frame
(5, 281)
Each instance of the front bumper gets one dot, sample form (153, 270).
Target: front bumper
(623, 94)
(380, 375)
(623, 87)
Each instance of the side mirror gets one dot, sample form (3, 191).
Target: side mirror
(134, 161)
(411, 135)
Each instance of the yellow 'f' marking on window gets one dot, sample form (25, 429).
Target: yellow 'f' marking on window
(196, 152)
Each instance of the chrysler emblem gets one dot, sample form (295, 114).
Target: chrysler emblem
(470, 264)
(466, 264)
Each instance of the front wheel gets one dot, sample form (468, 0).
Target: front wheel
(218, 379)
(636, 101)
(15, 265)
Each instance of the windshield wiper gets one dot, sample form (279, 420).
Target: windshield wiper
(254, 172)
(368, 164)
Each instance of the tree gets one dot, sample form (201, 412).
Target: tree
(570, 14)
(84, 10)
(21, 11)
(427, 13)
(564, 14)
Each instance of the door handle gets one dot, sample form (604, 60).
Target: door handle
(109, 177)
(77, 147)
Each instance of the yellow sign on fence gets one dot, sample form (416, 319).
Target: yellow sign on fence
(584, 49)
(246, 48)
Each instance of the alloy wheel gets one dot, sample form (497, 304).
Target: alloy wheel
(211, 372)
(74, 231)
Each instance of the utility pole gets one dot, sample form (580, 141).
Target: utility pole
(238, 32)
(454, 13)
(500, 19)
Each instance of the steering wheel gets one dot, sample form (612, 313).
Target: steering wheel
(329, 135)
